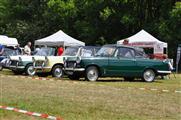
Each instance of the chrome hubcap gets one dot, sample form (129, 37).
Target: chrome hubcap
(58, 72)
(149, 75)
(92, 75)
(31, 71)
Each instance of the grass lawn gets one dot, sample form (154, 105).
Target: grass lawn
(107, 99)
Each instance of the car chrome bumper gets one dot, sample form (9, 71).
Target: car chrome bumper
(74, 69)
(16, 67)
(164, 72)
(42, 69)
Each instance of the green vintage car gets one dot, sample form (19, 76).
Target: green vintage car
(117, 61)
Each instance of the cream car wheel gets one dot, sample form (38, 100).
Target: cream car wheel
(57, 71)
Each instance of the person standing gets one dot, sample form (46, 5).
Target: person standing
(126, 42)
(27, 49)
(18, 49)
(1, 50)
(60, 51)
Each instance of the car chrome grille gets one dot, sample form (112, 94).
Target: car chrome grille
(70, 64)
(38, 63)
(13, 63)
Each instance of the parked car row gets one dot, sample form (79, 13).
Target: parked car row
(91, 62)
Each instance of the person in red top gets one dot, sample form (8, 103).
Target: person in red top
(60, 51)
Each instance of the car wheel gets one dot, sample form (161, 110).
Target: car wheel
(129, 78)
(29, 70)
(148, 75)
(92, 74)
(1, 67)
(74, 77)
(57, 71)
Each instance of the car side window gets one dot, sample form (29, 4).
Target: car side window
(86, 53)
(126, 52)
(140, 54)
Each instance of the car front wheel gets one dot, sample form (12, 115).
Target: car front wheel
(92, 74)
(57, 71)
(29, 70)
(149, 75)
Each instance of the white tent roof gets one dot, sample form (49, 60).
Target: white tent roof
(143, 39)
(59, 38)
(4, 40)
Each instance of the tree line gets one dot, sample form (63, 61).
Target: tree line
(92, 21)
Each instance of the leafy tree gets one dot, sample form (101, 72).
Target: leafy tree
(92, 21)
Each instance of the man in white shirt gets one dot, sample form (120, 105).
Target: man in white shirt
(27, 49)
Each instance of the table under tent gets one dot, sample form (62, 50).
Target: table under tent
(153, 47)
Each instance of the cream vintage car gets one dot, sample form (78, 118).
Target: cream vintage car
(54, 64)
(24, 64)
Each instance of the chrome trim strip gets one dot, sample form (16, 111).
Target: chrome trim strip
(74, 69)
(159, 71)
(19, 67)
(42, 67)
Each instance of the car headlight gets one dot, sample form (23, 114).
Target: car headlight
(20, 59)
(64, 59)
(46, 60)
(33, 59)
(78, 60)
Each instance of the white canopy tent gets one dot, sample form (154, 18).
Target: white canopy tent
(145, 40)
(57, 39)
(4, 40)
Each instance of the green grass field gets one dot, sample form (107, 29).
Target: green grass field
(107, 99)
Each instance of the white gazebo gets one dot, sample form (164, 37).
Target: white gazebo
(145, 40)
(59, 39)
(4, 40)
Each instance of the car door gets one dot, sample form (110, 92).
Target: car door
(123, 63)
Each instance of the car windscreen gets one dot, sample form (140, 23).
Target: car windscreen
(71, 51)
(106, 51)
(10, 52)
(45, 52)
